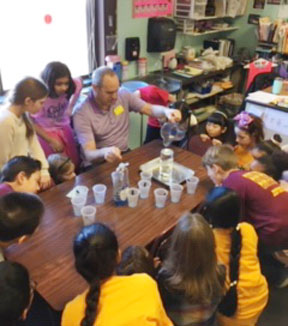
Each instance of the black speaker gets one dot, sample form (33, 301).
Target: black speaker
(161, 34)
(132, 48)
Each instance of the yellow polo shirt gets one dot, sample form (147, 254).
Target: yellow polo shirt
(124, 300)
(252, 287)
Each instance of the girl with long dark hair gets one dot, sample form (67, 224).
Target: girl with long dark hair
(236, 247)
(110, 299)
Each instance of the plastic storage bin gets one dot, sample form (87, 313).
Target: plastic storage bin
(192, 9)
(199, 9)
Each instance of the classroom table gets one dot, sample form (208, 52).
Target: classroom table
(48, 253)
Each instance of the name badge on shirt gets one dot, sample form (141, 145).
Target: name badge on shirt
(118, 110)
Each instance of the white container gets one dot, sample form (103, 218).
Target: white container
(78, 203)
(146, 175)
(133, 196)
(175, 192)
(190, 10)
(142, 67)
(192, 183)
(161, 195)
(88, 215)
(99, 191)
(144, 187)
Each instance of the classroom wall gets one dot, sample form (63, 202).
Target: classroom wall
(245, 36)
(129, 27)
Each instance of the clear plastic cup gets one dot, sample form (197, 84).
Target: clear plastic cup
(175, 192)
(161, 195)
(99, 191)
(133, 196)
(145, 175)
(88, 214)
(144, 187)
(78, 203)
(192, 183)
(81, 191)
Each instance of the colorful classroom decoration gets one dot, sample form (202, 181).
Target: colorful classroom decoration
(152, 8)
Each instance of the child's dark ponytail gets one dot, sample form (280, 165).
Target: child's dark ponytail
(96, 251)
(92, 300)
(228, 305)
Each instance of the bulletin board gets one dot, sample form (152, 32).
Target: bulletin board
(152, 8)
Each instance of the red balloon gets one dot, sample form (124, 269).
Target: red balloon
(48, 19)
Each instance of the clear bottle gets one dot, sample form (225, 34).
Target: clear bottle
(120, 180)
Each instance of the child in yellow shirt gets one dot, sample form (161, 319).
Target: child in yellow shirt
(236, 248)
(110, 300)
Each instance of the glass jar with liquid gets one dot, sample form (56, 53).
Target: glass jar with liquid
(166, 164)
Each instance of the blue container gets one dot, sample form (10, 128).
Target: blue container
(133, 85)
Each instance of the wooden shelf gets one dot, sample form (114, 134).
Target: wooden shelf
(210, 17)
(194, 97)
(228, 29)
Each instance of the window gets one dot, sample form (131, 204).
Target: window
(35, 32)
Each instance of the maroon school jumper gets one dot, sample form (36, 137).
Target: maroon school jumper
(264, 204)
(5, 189)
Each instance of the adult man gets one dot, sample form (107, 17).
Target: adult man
(102, 121)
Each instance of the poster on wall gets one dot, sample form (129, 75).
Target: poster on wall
(259, 4)
(273, 2)
(152, 8)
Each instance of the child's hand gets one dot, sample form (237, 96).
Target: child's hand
(204, 137)
(56, 145)
(45, 182)
(216, 142)
(157, 262)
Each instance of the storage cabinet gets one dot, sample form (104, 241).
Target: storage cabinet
(188, 13)
(195, 9)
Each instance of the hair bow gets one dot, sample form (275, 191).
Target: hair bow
(243, 119)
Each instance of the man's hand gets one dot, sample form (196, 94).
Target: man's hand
(173, 115)
(112, 154)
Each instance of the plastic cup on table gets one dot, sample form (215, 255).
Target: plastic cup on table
(82, 191)
(192, 183)
(161, 195)
(145, 175)
(144, 187)
(99, 191)
(175, 192)
(78, 203)
(88, 214)
(133, 196)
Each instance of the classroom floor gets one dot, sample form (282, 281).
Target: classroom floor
(276, 312)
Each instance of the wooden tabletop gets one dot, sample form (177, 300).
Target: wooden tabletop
(284, 91)
(48, 253)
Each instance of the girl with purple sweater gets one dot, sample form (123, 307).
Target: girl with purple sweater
(52, 122)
